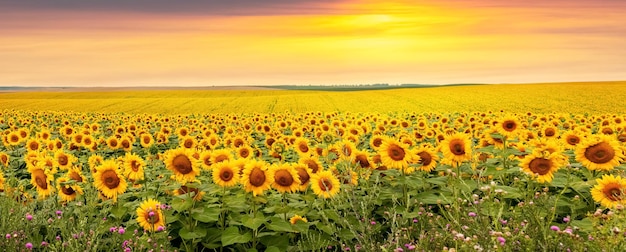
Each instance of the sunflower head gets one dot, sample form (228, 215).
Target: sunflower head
(609, 191)
(181, 161)
(109, 181)
(394, 154)
(325, 184)
(226, 174)
(150, 215)
(285, 178)
(599, 152)
(256, 177)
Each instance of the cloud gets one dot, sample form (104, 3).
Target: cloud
(212, 7)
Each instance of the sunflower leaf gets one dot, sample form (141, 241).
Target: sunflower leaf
(180, 205)
(207, 214)
(279, 225)
(253, 222)
(231, 236)
(188, 234)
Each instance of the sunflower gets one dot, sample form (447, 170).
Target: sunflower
(126, 143)
(150, 216)
(76, 174)
(4, 159)
(146, 140)
(301, 145)
(572, 138)
(226, 174)
(304, 174)
(609, 191)
(41, 179)
(325, 184)
(33, 145)
(108, 180)
(13, 139)
(312, 162)
(133, 167)
(427, 158)
(541, 165)
(244, 151)
(2, 181)
(214, 141)
(599, 152)
(285, 178)
(89, 142)
(293, 220)
(394, 154)
(64, 160)
(256, 177)
(508, 126)
(549, 131)
(362, 159)
(183, 164)
(456, 148)
(113, 143)
(346, 149)
(67, 190)
(187, 142)
(376, 141)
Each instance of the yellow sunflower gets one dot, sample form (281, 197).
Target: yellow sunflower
(325, 184)
(221, 155)
(362, 159)
(94, 161)
(394, 154)
(244, 151)
(456, 149)
(599, 152)
(187, 142)
(312, 162)
(609, 191)
(2, 181)
(285, 178)
(146, 140)
(572, 138)
(427, 158)
(41, 179)
(301, 145)
(183, 164)
(76, 174)
(133, 167)
(541, 165)
(197, 194)
(509, 126)
(4, 159)
(109, 181)
(256, 177)
(226, 174)
(150, 216)
(64, 160)
(68, 191)
(304, 174)
(33, 144)
(293, 220)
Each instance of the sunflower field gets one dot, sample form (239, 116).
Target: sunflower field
(488, 180)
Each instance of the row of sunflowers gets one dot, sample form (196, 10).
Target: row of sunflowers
(214, 181)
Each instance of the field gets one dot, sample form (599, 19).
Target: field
(536, 167)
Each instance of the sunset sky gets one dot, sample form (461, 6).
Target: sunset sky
(302, 42)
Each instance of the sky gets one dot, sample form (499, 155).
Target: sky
(306, 42)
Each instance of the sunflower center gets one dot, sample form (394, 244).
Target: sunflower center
(377, 142)
(303, 147)
(509, 125)
(62, 160)
(613, 192)
(220, 158)
(110, 179)
(457, 147)
(304, 176)
(325, 184)
(362, 161)
(188, 143)
(14, 139)
(226, 175)
(425, 158)
(152, 218)
(146, 139)
(67, 190)
(312, 165)
(396, 152)
(257, 177)
(540, 166)
(600, 153)
(134, 165)
(283, 178)
(573, 140)
(75, 176)
(550, 132)
(40, 179)
(34, 146)
(182, 164)
(125, 144)
(244, 153)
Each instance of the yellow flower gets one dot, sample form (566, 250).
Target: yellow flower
(68, 191)
(225, 174)
(293, 220)
(394, 154)
(285, 178)
(108, 180)
(609, 191)
(541, 165)
(133, 167)
(183, 164)
(456, 148)
(599, 152)
(256, 178)
(325, 184)
(149, 215)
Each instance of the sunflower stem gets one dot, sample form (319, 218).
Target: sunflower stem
(283, 204)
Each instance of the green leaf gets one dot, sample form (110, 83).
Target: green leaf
(272, 249)
(187, 234)
(325, 228)
(253, 222)
(443, 181)
(231, 236)
(207, 214)
(277, 240)
(118, 211)
(181, 205)
(585, 224)
(331, 214)
(279, 225)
